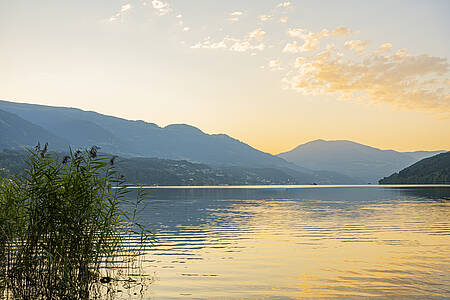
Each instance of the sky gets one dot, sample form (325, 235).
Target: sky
(273, 74)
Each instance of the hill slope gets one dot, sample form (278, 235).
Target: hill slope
(176, 142)
(356, 160)
(138, 138)
(16, 133)
(432, 170)
(155, 171)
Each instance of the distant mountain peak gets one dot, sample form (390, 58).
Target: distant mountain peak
(351, 158)
(328, 144)
(184, 128)
(129, 138)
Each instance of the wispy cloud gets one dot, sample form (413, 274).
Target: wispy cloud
(312, 39)
(399, 79)
(284, 4)
(209, 44)
(234, 44)
(244, 46)
(356, 45)
(385, 47)
(235, 16)
(125, 7)
(293, 47)
(158, 7)
(264, 18)
(162, 8)
(118, 16)
(339, 31)
(342, 31)
(313, 64)
(275, 65)
(257, 34)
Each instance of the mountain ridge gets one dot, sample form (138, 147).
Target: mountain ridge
(17, 133)
(129, 139)
(321, 161)
(352, 159)
(431, 170)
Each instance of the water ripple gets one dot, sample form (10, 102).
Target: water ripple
(300, 243)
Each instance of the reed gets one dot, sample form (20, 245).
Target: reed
(63, 224)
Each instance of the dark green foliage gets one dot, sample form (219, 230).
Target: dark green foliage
(154, 171)
(433, 170)
(60, 224)
(12, 162)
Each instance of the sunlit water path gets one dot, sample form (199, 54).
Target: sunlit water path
(305, 242)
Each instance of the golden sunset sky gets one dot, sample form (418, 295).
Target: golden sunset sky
(273, 74)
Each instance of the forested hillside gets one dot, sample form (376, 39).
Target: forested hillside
(155, 171)
(432, 170)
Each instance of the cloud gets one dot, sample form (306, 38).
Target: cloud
(244, 46)
(342, 31)
(253, 41)
(296, 33)
(162, 8)
(310, 44)
(264, 18)
(401, 80)
(356, 45)
(385, 47)
(208, 44)
(293, 47)
(339, 31)
(235, 16)
(284, 4)
(231, 44)
(275, 65)
(257, 34)
(400, 52)
(312, 39)
(123, 9)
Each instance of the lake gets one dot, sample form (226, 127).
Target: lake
(299, 242)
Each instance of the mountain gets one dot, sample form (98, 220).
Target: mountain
(352, 159)
(138, 138)
(419, 155)
(432, 170)
(130, 139)
(155, 171)
(17, 133)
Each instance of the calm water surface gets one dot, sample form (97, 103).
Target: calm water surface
(283, 243)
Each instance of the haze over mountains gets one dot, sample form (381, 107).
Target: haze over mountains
(355, 160)
(138, 138)
(322, 162)
(141, 139)
(16, 132)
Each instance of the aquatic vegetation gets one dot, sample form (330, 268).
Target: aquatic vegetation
(64, 225)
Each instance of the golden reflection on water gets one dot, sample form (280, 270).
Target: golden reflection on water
(297, 245)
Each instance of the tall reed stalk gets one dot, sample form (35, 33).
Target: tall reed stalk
(61, 223)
